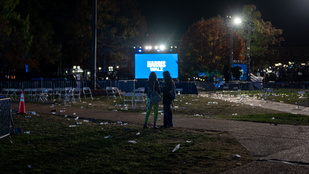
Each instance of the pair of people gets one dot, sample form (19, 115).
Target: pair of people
(153, 84)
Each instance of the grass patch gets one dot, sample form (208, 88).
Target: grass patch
(54, 147)
(200, 106)
(280, 118)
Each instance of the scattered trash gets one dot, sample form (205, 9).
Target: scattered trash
(90, 104)
(188, 141)
(138, 133)
(86, 121)
(106, 137)
(234, 114)
(79, 123)
(72, 125)
(74, 113)
(27, 132)
(115, 110)
(176, 148)
(273, 118)
(29, 166)
(76, 118)
(143, 113)
(124, 109)
(124, 124)
(62, 110)
(236, 156)
(132, 141)
(119, 122)
(53, 113)
(176, 107)
(198, 115)
(65, 115)
(101, 123)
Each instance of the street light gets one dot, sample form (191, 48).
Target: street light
(232, 23)
(247, 26)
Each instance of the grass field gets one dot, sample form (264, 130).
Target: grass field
(206, 107)
(52, 146)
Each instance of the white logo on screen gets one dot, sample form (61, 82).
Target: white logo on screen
(156, 65)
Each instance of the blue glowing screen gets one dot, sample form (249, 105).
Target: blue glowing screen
(244, 76)
(146, 63)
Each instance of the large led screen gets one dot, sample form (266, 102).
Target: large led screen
(146, 63)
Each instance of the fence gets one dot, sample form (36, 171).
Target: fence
(6, 122)
(123, 85)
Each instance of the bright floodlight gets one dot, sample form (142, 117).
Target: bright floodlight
(237, 21)
(162, 47)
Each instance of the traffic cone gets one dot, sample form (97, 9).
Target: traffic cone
(22, 109)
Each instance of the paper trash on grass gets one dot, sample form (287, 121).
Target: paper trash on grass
(108, 136)
(76, 118)
(115, 110)
(188, 141)
(72, 125)
(119, 122)
(86, 121)
(74, 113)
(138, 133)
(124, 124)
(132, 141)
(79, 123)
(176, 148)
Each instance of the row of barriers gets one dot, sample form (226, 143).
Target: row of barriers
(67, 94)
(123, 85)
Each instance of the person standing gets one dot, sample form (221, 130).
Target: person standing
(168, 98)
(152, 85)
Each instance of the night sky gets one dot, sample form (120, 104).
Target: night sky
(175, 16)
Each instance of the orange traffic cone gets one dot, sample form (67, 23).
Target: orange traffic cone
(22, 109)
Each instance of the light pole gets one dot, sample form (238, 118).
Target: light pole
(94, 45)
(232, 23)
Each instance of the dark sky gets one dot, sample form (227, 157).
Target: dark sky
(175, 16)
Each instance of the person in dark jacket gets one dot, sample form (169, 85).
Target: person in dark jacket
(152, 84)
(168, 99)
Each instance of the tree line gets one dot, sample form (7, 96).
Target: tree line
(44, 37)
